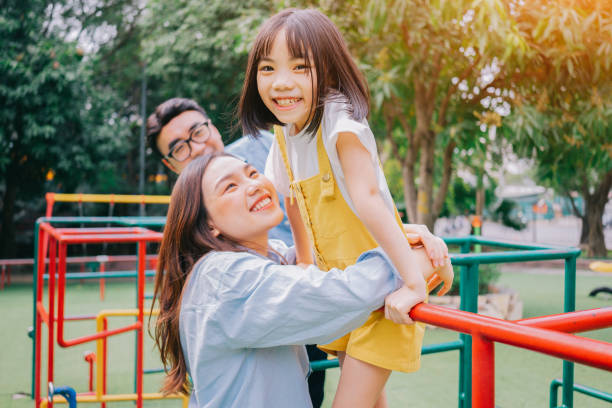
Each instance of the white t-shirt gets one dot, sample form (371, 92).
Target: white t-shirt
(302, 153)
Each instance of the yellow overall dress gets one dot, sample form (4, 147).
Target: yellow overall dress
(338, 238)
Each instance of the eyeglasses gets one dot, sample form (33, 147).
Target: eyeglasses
(181, 151)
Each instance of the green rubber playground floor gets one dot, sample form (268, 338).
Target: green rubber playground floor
(522, 377)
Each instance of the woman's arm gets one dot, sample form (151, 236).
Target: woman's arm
(303, 250)
(362, 186)
(257, 303)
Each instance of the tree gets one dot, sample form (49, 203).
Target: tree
(424, 62)
(563, 104)
(201, 52)
(44, 99)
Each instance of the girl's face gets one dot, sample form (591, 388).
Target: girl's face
(242, 204)
(286, 85)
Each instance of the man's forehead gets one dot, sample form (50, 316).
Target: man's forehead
(179, 128)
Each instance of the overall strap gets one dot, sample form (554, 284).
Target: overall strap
(280, 139)
(325, 171)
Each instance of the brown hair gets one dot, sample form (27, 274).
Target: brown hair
(164, 113)
(187, 237)
(313, 37)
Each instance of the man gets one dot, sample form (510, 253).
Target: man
(178, 131)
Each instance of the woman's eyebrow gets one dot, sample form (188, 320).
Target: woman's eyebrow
(229, 175)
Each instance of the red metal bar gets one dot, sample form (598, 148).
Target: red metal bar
(51, 288)
(40, 284)
(562, 345)
(573, 322)
(142, 246)
(99, 230)
(90, 358)
(110, 238)
(2, 277)
(84, 339)
(483, 373)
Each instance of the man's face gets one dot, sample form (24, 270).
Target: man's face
(178, 130)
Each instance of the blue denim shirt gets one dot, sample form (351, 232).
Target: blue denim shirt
(255, 152)
(244, 320)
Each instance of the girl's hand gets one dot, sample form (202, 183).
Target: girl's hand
(400, 302)
(436, 249)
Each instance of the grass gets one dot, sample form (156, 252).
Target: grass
(522, 377)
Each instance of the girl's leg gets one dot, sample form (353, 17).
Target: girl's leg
(361, 385)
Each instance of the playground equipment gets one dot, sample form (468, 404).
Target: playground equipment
(478, 332)
(469, 262)
(57, 240)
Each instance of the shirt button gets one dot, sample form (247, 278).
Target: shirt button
(326, 177)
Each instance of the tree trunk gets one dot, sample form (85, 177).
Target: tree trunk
(447, 171)
(7, 238)
(426, 167)
(584, 230)
(410, 194)
(596, 244)
(594, 205)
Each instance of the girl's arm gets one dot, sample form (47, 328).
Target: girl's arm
(362, 186)
(303, 251)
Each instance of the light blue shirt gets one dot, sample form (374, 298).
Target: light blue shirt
(244, 320)
(255, 152)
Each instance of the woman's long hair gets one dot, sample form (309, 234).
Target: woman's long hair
(187, 237)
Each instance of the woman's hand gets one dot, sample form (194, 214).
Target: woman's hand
(400, 302)
(436, 249)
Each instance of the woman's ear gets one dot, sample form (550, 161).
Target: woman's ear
(213, 230)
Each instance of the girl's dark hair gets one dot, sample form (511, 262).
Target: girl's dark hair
(313, 37)
(187, 237)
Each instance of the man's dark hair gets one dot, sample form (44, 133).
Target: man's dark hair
(164, 113)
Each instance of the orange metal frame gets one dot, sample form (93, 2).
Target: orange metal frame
(546, 334)
(58, 239)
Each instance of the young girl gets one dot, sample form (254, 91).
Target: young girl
(301, 78)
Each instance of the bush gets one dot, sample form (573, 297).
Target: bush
(487, 275)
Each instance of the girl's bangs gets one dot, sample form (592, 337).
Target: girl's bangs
(295, 42)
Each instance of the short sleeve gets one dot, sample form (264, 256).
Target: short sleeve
(275, 170)
(338, 120)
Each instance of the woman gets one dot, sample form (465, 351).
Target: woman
(234, 312)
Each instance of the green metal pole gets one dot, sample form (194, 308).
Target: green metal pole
(464, 338)
(569, 306)
(553, 393)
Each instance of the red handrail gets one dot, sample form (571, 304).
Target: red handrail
(535, 334)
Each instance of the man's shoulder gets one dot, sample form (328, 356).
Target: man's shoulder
(263, 137)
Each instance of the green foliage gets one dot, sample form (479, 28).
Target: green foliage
(48, 129)
(200, 52)
(488, 274)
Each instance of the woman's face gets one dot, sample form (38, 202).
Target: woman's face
(242, 204)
